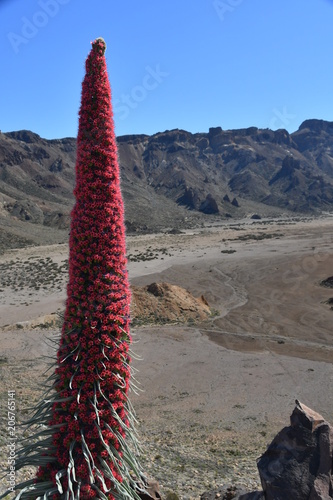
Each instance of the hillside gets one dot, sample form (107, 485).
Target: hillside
(170, 179)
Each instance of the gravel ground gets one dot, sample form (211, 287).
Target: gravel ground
(215, 394)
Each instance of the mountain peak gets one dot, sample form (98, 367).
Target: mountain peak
(317, 125)
(24, 136)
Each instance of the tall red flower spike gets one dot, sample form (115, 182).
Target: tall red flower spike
(85, 452)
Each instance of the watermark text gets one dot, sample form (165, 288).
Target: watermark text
(151, 80)
(31, 25)
(224, 7)
(11, 445)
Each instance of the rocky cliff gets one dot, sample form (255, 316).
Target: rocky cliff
(175, 178)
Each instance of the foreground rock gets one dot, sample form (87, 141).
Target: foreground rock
(328, 282)
(296, 466)
(298, 463)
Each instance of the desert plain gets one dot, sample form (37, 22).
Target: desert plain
(212, 393)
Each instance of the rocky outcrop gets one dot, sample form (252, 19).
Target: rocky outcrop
(298, 463)
(189, 198)
(56, 219)
(26, 210)
(218, 139)
(282, 136)
(328, 282)
(166, 303)
(56, 166)
(313, 134)
(289, 165)
(203, 143)
(209, 205)
(317, 126)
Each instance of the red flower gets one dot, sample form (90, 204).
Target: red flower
(91, 368)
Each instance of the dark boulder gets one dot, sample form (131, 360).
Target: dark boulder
(209, 205)
(189, 198)
(175, 230)
(298, 463)
(330, 302)
(328, 282)
(155, 289)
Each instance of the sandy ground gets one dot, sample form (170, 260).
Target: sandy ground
(214, 393)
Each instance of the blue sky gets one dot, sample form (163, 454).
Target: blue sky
(190, 64)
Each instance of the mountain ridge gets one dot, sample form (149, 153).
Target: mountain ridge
(175, 178)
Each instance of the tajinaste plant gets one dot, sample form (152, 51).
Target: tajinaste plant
(86, 446)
